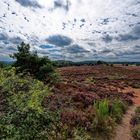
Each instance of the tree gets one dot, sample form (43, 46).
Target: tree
(28, 62)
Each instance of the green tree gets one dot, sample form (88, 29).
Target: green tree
(28, 62)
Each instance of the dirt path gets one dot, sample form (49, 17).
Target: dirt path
(123, 131)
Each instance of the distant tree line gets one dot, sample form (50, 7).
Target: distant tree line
(63, 63)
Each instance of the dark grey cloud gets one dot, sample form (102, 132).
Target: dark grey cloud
(127, 37)
(105, 21)
(137, 1)
(136, 31)
(61, 4)
(82, 25)
(76, 49)
(59, 40)
(11, 48)
(3, 36)
(1, 47)
(15, 40)
(137, 47)
(8, 40)
(57, 56)
(83, 20)
(106, 50)
(43, 52)
(25, 18)
(92, 44)
(107, 38)
(29, 3)
(131, 14)
(131, 36)
(129, 52)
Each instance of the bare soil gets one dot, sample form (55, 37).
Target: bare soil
(123, 131)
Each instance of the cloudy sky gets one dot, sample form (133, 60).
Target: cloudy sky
(74, 30)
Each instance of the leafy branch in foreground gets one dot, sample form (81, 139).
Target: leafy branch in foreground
(22, 114)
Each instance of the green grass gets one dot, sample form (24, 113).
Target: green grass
(136, 133)
(118, 108)
(136, 124)
(102, 109)
(107, 115)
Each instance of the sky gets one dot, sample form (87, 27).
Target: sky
(75, 30)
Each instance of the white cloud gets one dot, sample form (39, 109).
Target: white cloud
(103, 19)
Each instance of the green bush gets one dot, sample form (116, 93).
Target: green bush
(102, 109)
(136, 133)
(107, 115)
(24, 125)
(137, 111)
(103, 124)
(24, 116)
(26, 62)
(135, 122)
(118, 108)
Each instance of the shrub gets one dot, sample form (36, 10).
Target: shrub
(99, 62)
(24, 125)
(136, 133)
(24, 117)
(118, 108)
(136, 118)
(137, 110)
(27, 62)
(106, 115)
(102, 109)
(135, 122)
(103, 124)
(2, 65)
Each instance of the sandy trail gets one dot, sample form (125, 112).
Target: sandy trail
(123, 131)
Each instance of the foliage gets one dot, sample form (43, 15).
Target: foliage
(135, 122)
(103, 124)
(106, 115)
(137, 110)
(118, 108)
(99, 62)
(136, 118)
(2, 65)
(27, 62)
(136, 133)
(135, 85)
(24, 116)
(102, 109)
